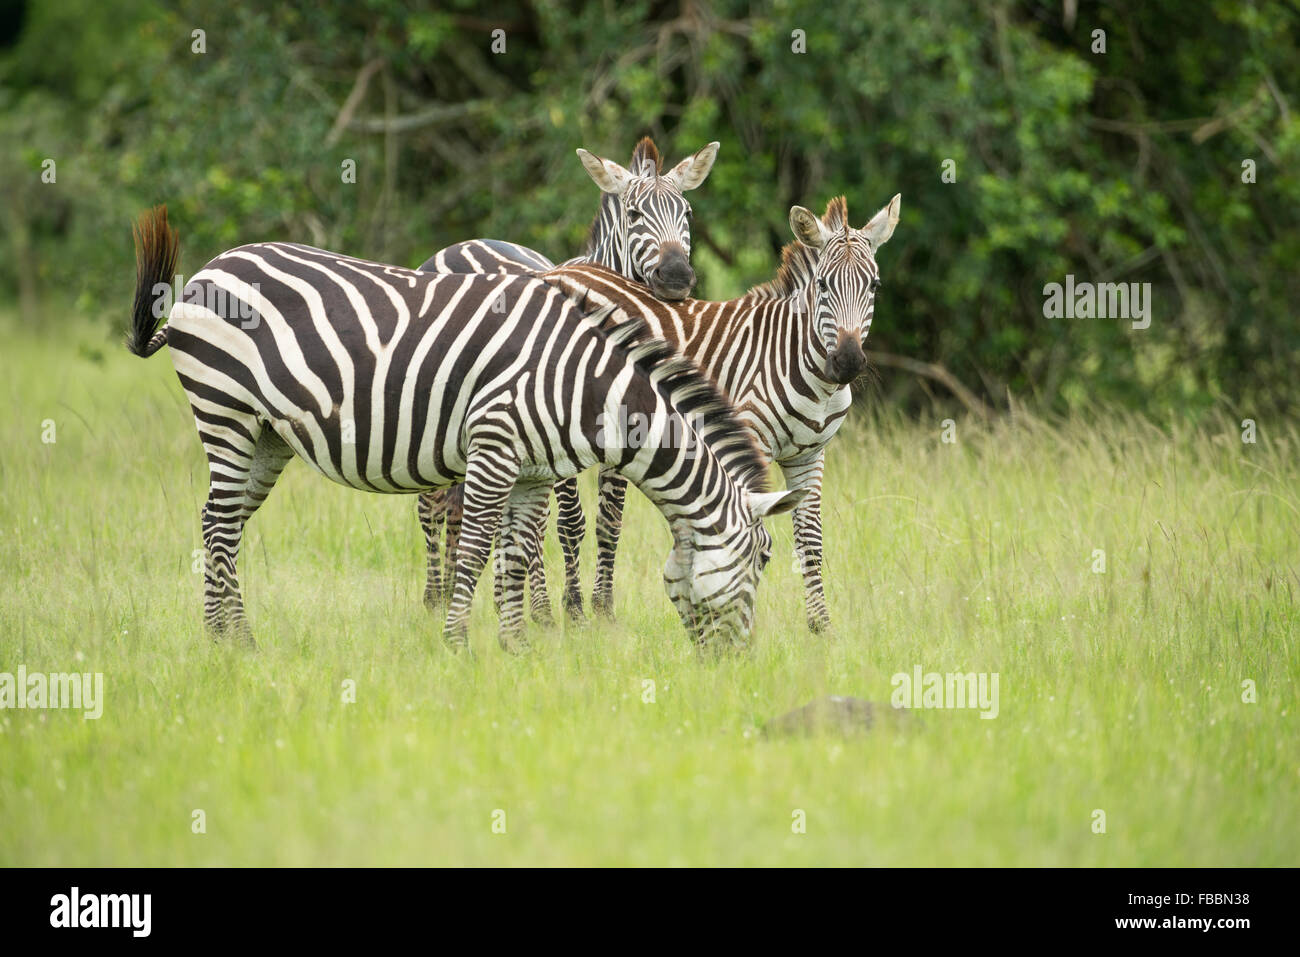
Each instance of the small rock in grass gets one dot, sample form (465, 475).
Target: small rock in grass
(832, 713)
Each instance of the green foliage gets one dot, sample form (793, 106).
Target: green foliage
(1121, 166)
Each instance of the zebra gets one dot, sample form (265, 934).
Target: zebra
(642, 230)
(785, 353)
(391, 380)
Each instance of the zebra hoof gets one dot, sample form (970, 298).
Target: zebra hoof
(235, 634)
(819, 626)
(458, 642)
(573, 611)
(543, 618)
(514, 646)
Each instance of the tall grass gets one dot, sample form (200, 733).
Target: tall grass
(1120, 691)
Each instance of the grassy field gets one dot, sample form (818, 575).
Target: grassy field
(1120, 691)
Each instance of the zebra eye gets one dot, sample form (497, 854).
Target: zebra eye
(875, 284)
(634, 215)
(821, 285)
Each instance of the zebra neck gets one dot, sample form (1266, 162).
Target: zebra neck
(607, 245)
(787, 329)
(662, 453)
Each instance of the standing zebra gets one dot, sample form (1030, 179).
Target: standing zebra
(785, 354)
(642, 231)
(392, 380)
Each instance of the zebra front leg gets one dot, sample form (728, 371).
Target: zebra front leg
(431, 509)
(489, 477)
(570, 525)
(609, 523)
(808, 535)
(524, 512)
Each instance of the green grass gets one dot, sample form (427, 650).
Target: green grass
(1120, 691)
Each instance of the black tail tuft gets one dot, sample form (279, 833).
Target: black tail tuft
(157, 248)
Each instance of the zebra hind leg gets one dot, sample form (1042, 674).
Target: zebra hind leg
(431, 508)
(243, 471)
(489, 478)
(570, 525)
(518, 537)
(533, 542)
(454, 507)
(609, 523)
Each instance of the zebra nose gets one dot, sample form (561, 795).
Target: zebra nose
(674, 278)
(846, 361)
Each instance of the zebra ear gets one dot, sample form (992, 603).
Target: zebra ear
(763, 504)
(882, 224)
(693, 170)
(807, 228)
(609, 176)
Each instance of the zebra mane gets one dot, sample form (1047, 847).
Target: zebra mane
(799, 261)
(693, 395)
(645, 155)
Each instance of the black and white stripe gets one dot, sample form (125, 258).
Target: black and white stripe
(391, 380)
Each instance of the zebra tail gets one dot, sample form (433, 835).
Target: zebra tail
(157, 249)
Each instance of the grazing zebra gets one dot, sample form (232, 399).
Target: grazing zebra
(642, 231)
(392, 380)
(785, 353)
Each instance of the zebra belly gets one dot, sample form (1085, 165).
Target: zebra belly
(406, 442)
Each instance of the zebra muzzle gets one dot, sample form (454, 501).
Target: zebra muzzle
(846, 361)
(673, 279)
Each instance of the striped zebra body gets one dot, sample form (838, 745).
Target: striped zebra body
(392, 380)
(785, 354)
(641, 231)
(487, 257)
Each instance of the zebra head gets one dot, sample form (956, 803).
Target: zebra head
(644, 226)
(712, 575)
(845, 280)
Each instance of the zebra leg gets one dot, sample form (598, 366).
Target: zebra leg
(533, 543)
(489, 477)
(240, 483)
(609, 523)
(454, 506)
(431, 509)
(808, 535)
(525, 559)
(570, 525)
(517, 540)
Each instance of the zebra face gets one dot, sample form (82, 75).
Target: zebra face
(712, 578)
(845, 280)
(651, 215)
